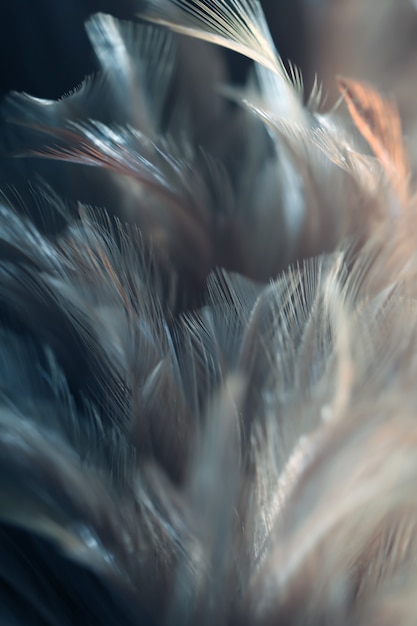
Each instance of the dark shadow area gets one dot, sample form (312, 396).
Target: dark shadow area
(44, 49)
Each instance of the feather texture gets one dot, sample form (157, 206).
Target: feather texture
(207, 370)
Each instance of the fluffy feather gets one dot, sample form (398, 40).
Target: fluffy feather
(208, 401)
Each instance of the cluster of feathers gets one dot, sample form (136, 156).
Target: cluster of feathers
(208, 339)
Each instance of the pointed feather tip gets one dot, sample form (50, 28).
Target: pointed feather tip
(237, 26)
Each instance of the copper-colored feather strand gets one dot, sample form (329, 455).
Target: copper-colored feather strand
(379, 122)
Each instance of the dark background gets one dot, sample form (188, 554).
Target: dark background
(44, 49)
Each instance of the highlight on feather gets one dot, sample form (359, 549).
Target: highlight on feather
(207, 386)
(240, 26)
(236, 25)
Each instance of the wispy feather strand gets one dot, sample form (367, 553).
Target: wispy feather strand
(207, 385)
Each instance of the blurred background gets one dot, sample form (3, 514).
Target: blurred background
(44, 49)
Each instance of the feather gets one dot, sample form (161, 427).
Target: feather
(207, 386)
(378, 121)
(240, 26)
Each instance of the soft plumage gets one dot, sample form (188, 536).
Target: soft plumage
(208, 409)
